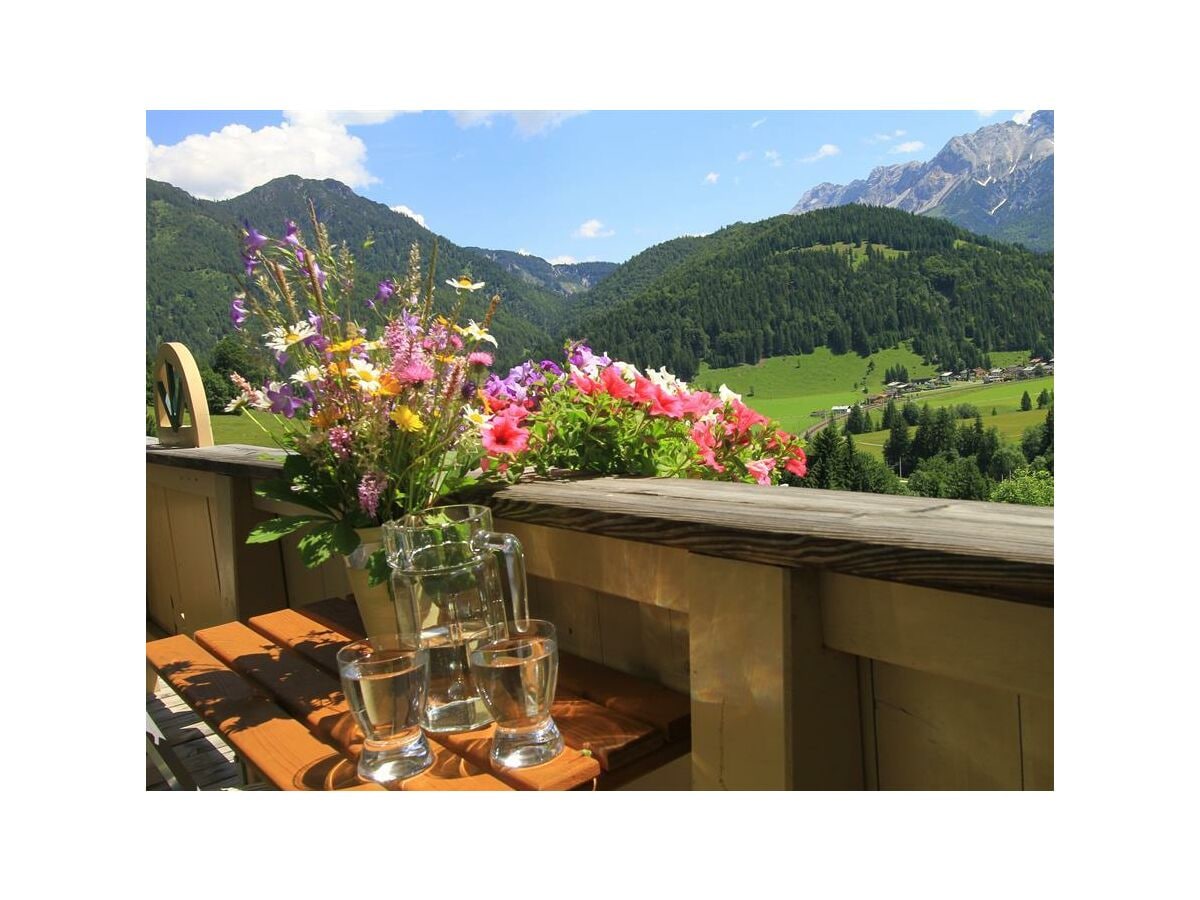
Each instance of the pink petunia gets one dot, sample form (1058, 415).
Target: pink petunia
(798, 464)
(584, 383)
(761, 469)
(504, 435)
(699, 403)
(616, 386)
(664, 403)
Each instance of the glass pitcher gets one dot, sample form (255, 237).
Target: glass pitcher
(450, 597)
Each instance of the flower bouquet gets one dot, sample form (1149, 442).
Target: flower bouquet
(375, 392)
(605, 416)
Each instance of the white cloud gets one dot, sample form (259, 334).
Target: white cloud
(225, 163)
(884, 138)
(985, 113)
(521, 251)
(823, 151)
(908, 147)
(758, 122)
(562, 261)
(529, 123)
(711, 177)
(593, 228)
(744, 155)
(1022, 118)
(404, 210)
(772, 156)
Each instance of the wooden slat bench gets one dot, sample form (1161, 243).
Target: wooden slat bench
(270, 687)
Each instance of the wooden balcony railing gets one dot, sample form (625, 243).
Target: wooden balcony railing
(827, 639)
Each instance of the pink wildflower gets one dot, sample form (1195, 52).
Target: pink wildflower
(339, 441)
(415, 372)
(369, 490)
(479, 358)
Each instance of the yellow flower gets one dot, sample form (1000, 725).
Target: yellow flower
(406, 419)
(324, 418)
(475, 332)
(346, 345)
(389, 385)
(463, 283)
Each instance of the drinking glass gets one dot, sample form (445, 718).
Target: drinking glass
(516, 676)
(385, 679)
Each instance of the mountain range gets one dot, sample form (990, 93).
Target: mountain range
(193, 266)
(558, 278)
(854, 268)
(997, 181)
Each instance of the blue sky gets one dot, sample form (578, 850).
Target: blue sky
(563, 186)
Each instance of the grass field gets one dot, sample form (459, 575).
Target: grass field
(239, 429)
(1010, 424)
(791, 388)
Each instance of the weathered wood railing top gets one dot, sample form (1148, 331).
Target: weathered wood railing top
(993, 549)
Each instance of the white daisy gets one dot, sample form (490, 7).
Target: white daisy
(281, 339)
(463, 283)
(308, 375)
(365, 374)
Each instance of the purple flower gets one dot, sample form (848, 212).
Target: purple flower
(290, 237)
(316, 268)
(581, 355)
(383, 292)
(237, 311)
(314, 320)
(468, 389)
(549, 365)
(283, 400)
(281, 358)
(250, 263)
(369, 489)
(339, 441)
(254, 240)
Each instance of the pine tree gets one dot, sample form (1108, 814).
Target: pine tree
(823, 461)
(854, 421)
(896, 447)
(1026, 403)
(890, 414)
(1043, 399)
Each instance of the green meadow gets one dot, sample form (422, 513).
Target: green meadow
(239, 429)
(1011, 426)
(791, 388)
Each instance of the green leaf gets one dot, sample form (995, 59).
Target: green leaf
(274, 529)
(316, 547)
(345, 538)
(378, 570)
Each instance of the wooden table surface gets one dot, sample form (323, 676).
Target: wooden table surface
(270, 686)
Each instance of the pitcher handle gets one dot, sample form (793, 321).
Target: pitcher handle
(514, 560)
